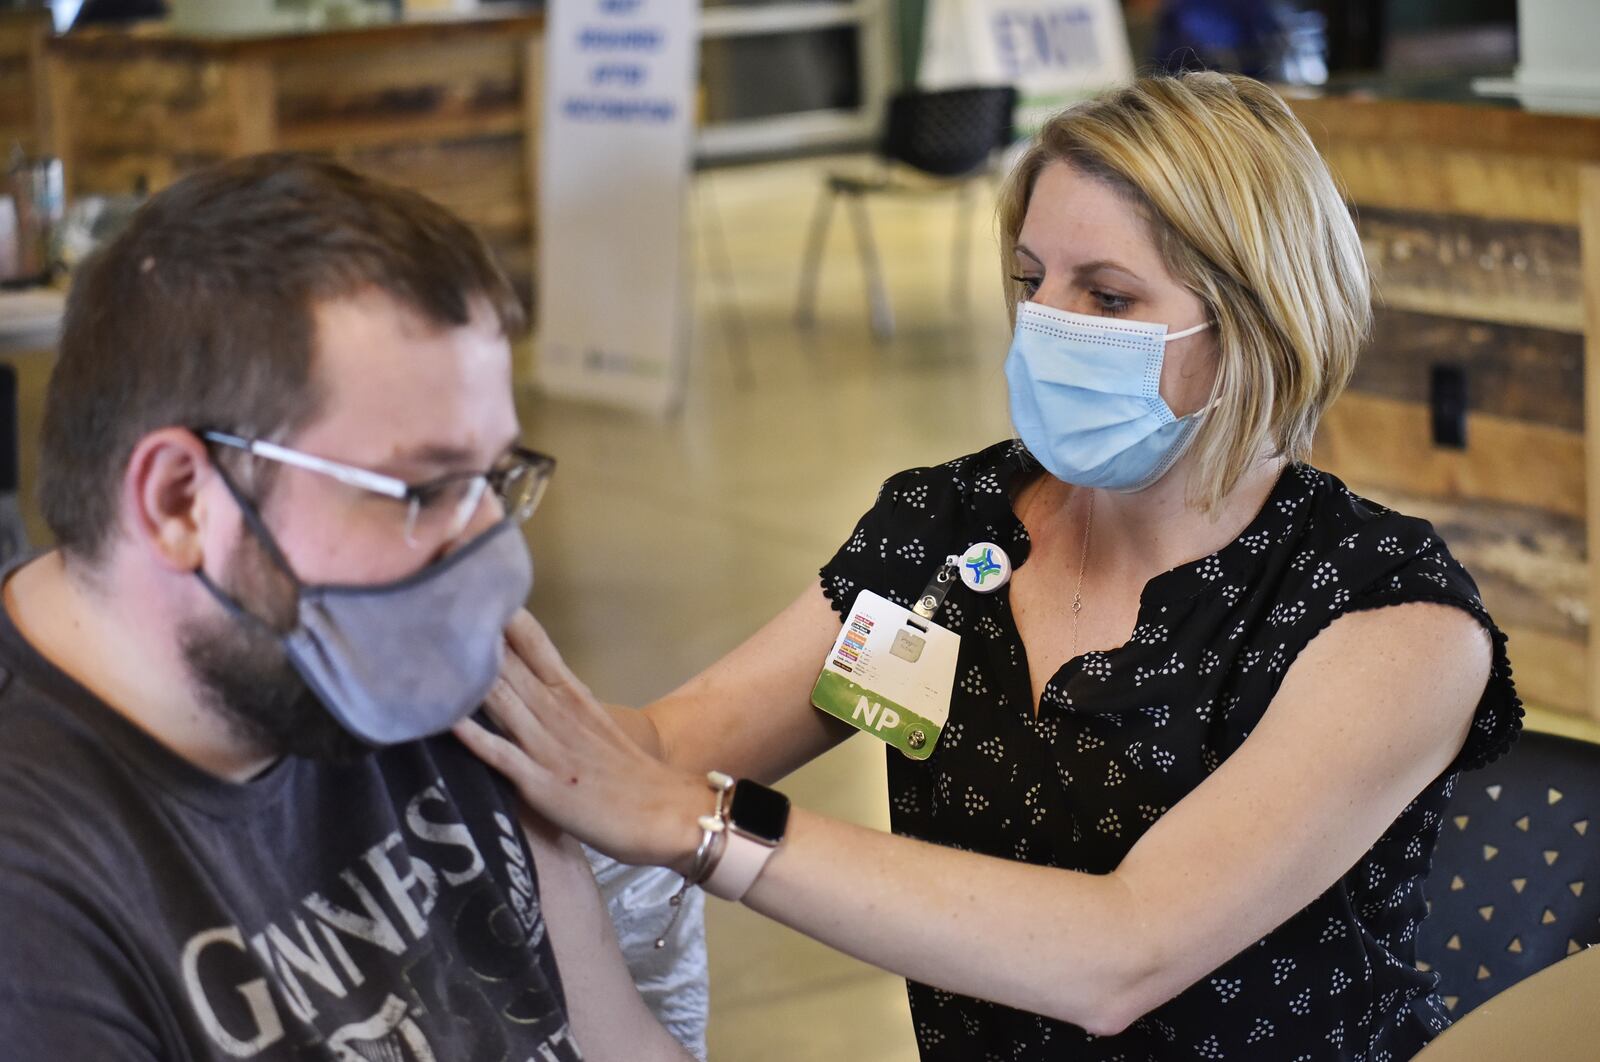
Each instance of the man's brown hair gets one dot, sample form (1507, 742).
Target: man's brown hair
(201, 314)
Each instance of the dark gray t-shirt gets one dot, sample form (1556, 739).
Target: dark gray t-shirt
(382, 910)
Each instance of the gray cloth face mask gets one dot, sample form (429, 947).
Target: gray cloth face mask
(400, 661)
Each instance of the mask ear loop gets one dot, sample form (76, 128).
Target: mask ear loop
(1201, 327)
(232, 607)
(257, 526)
(258, 530)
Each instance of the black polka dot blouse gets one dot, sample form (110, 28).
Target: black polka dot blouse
(1121, 736)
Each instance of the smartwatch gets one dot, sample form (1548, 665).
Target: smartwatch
(757, 818)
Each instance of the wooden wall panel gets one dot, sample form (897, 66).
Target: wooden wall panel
(99, 171)
(124, 122)
(1550, 672)
(1512, 272)
(439, 107)
(482, 179)
(326, 136)
(456, 90)
(1451, 158)
(1589, 233)
(1387, 443)
(1472, 183)
(1568, 139)
(24, 101)
(533, 122)
(459, 77)
(447, 119)
(16, 89)
(1530, 374)
(1482, 227)
(135, 104)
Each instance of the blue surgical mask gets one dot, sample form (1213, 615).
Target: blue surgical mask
(1086, 398)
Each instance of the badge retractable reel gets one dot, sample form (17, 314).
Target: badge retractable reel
(892, 670)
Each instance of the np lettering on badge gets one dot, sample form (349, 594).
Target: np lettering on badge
(871, 715)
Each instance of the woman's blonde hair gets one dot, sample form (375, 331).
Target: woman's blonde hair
(1246, 216)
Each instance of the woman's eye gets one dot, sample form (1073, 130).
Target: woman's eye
(1110, 303)
(1030, 285)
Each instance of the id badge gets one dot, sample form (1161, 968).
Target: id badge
(891, 674)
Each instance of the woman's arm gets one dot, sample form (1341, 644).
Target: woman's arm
(1375, 708)
(750, 713)
(1370, 713)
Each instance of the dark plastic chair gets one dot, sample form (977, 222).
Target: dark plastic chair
(1515, 883)
(948, 139)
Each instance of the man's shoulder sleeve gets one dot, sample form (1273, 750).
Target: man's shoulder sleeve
(65, 992)
(40, 1027)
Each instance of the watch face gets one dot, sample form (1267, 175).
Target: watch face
(758, 811)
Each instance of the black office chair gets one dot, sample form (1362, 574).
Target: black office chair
(1515, 884)
(946, 139)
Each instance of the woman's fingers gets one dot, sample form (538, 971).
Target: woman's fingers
(518, 720)
(539, 676)
(515, 671)
(530, 642)
(554, 709)
(504, 756)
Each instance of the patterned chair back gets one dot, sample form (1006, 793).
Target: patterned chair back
(1515, 883)
(949, 132)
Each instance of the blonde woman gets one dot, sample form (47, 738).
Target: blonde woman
(1199, 746)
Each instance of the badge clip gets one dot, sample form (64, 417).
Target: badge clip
(984, 568)
(937, 590)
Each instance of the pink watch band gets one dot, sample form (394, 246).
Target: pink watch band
(738, 867)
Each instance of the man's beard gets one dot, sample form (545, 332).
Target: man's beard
(243, 674)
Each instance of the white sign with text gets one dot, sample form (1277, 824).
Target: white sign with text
(614, 164)
(1053, 51)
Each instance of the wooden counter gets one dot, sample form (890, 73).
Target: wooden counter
(1482, 225)
(447, 107)
(24, 115)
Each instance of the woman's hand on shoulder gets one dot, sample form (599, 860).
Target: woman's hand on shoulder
(631, 783)
(574, 765)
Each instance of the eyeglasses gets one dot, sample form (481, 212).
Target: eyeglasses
(436, 511)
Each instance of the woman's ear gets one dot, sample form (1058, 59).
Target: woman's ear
(162, 501)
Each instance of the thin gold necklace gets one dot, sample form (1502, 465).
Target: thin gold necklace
(1083, 562)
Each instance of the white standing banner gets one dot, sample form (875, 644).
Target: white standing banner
(1053, 51)
(614, 164)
